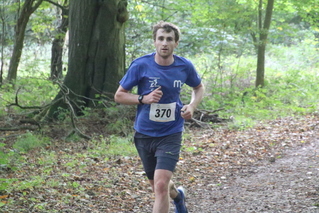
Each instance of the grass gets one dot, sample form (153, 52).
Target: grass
(29, 141)
(112, 146)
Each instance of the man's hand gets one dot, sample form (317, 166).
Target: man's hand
(187, 112)
(153, 97)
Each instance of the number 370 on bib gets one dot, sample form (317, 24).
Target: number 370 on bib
(162, 112)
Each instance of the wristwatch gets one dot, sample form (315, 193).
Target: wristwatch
(140, 98)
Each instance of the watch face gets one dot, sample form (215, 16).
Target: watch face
(140, 98)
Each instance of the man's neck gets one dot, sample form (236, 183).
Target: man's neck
(164, 61)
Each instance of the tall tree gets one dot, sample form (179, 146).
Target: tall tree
(234, 18)
(29, 6)
(58, 41)
(96, 52)
(263, 34)
(2, 39)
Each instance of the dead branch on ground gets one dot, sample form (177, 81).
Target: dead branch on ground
(203, 118)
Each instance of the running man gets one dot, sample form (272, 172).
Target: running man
(160, 116)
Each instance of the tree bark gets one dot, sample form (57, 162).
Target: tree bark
(96, 51)
(263, 35)
(28, 8)
(2, 17)
(58, 42)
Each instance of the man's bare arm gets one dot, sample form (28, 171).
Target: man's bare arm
(124, 96)
(197, 96)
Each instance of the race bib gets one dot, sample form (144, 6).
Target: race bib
(162, 112)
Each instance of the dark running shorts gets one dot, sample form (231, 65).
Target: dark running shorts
(158, 152)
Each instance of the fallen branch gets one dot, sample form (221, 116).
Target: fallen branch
(18, 128)
(42, 109)
(198, 123)
(203, 118)
(22, 107)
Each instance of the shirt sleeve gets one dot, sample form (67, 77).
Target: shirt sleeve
(131, 78)
(193, 78)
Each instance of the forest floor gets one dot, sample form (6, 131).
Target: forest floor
(272, 167)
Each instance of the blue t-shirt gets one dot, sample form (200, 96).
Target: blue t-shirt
(163, 118)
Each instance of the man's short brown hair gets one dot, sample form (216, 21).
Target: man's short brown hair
(168, 27)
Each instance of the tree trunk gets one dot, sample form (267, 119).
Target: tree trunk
(28, 8)
(263, 34)
(58, 42)
(96, 51)
(2, 43)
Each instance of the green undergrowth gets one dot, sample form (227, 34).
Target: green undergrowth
(113, 146)
(55, 165)
(291, 85)
(27, 93)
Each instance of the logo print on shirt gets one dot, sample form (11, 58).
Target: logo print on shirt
(154, 83)
(177, 83)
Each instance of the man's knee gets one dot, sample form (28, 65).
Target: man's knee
(161, 187)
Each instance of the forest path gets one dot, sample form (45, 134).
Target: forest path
(288, 184)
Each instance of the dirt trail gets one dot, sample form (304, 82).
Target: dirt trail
(287, 184)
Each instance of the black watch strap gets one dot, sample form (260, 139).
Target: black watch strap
(140, 99)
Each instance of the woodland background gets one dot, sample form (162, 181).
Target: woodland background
(258, 59)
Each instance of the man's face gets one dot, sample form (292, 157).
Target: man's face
(165, 43)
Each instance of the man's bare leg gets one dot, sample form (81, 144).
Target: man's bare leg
(160, 186)
(172, 190)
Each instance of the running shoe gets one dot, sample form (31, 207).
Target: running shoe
(180, 206)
